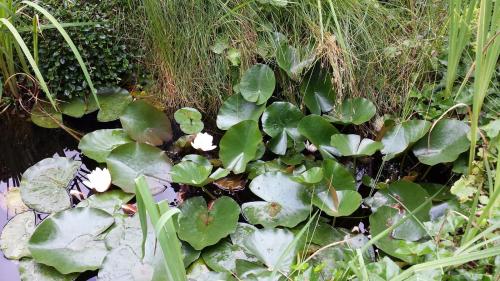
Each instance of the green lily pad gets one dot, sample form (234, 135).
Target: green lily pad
(318, 131)
(33, 271)
(109, 201)
(348, 201)
(45, 116)
(75, 107)
(239, 145)
(252, 271)
(286, 201)
(200, 271)
(398, 138)
(280, 121)
(236, 109)
(15, 236)
(195, 170)
(353, 145)
(243, 230)
(43, 185)
(448, 139)
(290, 60)
(98, 144)
(317, 91)
(352, 111)
(189, 254)
(129, 161)
(257, 83)
(311, 176)
(189, 119)
(222, 257)
(113, 101)
(201, 227)
(145, 123)
(70, 240)
(338, 176)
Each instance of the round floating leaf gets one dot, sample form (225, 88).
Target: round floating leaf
(199, 271)
(318, 131)
(448, 139)
(98, 144)
(311, 176)
(253, 271)
(70, 240)
(113, 101)
(398, 138)
(189, 254)
(280, 121)
(15, 236)
(129, 161)
(145, 123)
(345, 203)
(44, 115)
(317, 90)
(353, 111)
(338, 176)
(191, 172)
(32, 271)
(243, 230)
(75, 107)
(189, 119)
(286, 201)
(109, 201)
(222, 257)
(289, 59)
(43, 185)
(236, 109)
(201, 227)
(239, 145)
(352, 145)
(257, 83)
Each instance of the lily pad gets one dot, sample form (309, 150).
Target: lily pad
(77, 250)
(201, 226)
(353, 145)
(98, 144)
(448, 139)
(45, 116)
(253, 271)
(352, 111)
(280, 121)
(145, 123)
(110, 201)
(257, 83)
(222, 257)
(236, 109)
(398, 138)
(311, 176)
(43, 185)
(239, 145)
(344, 203)
(113, 101)
(200, 271)
(75, 107)
(33, 271)
(189, 254)
(338, 176)
(243, 230)
(318, 131)
(291, 61)
(317, 91)
(286, 201)
(15, 236)
(189, 119)
(129, 161)
(190, 172)
(11, 202)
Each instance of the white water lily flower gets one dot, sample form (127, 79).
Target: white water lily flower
(311, 147)
(203, 141)
(99, 179)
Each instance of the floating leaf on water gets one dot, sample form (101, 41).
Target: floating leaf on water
(317, 91)
(77, 250)
(11, 202)
(236, 109)
(318, 131)
(201, 226)
(15, 236)
(448, 139)
(189, 119)
(31, 270)
(44, 115)
(291, 61)
(129, 161)
(113, 101)
(257, 83)
(398, 138)
(222, 257)
(311, 176)
(342, 203)
(75, 107)
(145, 123)
(98, 144)
(200, 271)
(280, 121)
(189, 172)
(189, 254)
(352, 111)
(110, 201)
(253, 271)
(338, 176)
(353, 145)
(43, 185)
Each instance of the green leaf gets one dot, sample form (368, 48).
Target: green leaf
(338, 176)
(189, 254)
(280, 121)
(145, 123)
(348, 201)
(189, 119)
(44, 115)
(199, 271)
(317, 91)
(98, 144)
(236, 109)
(289, 59)
(15, 236)
(190, 172)
(352, 145)
(448, 139)
(201, 227)
(252, 271)
(239, 145)
(311, 176)
(318, 131)
(75, 107)
(398, 138)
(286, 201)
(31, 270)
(222, 257)
(43, 185)
(113, 101)
(257, 83)
(70, 240)
(128, 161)
(110, 201)
(352, 111)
